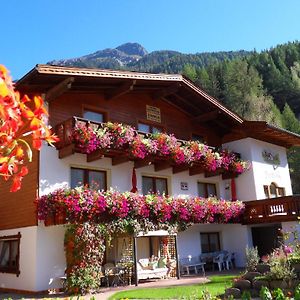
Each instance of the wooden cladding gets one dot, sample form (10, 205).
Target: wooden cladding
(18, 209)
(131, 109)
(281, 209)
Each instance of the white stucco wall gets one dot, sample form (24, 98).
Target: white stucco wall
(233, 238)
(28, 265)
(250, 184)
(42, 259)
(55, 173)
(50, 257)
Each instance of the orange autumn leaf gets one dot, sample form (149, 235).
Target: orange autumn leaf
(17, 121)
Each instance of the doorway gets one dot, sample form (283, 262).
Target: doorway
(266, 238)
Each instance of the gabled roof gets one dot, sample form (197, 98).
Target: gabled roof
(175, 89)
(172, 88)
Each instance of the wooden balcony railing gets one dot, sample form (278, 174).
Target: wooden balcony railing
(278, 209)
(66, 147)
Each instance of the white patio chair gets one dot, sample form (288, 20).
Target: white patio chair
(219, 259)
(228, 261)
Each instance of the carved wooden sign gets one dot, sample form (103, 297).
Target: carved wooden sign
(271, 158)
(153, 113)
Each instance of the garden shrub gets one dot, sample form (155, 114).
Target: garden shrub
(252, 258)
(265, 294)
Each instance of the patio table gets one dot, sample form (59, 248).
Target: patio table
(194, 266)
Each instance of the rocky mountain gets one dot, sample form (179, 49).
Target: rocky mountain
(133, 56)
(108, 58)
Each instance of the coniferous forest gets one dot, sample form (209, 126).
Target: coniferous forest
(256, 85)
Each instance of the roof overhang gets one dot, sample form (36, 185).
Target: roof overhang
(263, 131)
(172, 88)
(175, 89)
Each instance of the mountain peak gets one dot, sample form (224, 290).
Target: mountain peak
(133, 49)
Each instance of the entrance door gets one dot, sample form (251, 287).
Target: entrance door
(266, 238)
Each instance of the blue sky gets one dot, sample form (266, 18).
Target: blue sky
(37, 31)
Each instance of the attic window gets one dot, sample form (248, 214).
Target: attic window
(93, 116)
(148, 128)
(197, 138)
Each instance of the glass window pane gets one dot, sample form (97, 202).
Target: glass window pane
(280, 191)
(204, 243)
(197, 138)
(201, 190)
(273, 188)
(144, 127)
(156, 129)
(147, 185)
(93, 116)
(214, 242)
(266, 191)
(4, 254)
(211, 190)
(161, 186)
(14, 253)
(77, 177)
(97, 180)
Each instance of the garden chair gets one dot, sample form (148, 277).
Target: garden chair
(219, 260)
(111, 271)
(228, 261)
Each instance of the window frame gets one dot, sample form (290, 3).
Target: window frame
(206, 188)
(151, 125)
(154, 178)
(278, 190)
(194, 135)
(86, 175)
(209, 244)
(12, 269)
(94, 109)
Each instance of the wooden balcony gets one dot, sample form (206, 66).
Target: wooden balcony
(66, 147)
(281, 209)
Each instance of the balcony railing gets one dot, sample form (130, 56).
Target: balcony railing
(67, 147)
(278, 209)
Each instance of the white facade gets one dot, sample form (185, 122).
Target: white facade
(42, 259)
(250, 184)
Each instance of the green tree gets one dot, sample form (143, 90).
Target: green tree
(245, 95)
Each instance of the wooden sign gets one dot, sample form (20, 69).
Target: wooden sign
(153, 113)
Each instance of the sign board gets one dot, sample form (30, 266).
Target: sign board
(184, 186)
(153, 113)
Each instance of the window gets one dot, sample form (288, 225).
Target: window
(197, 138)
(206, 189)
(148, 128)
(154, 185)
(10, 253)
(93, 115)
(92, 178)
(273, 190)
(210, 242)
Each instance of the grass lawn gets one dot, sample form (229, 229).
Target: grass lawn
(215, 287)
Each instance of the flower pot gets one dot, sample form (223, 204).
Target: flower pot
(60, 217)
(49, 220)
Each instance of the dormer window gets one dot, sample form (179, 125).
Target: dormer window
(93, 115)
(149, 128)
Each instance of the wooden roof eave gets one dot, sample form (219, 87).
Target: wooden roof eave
(263, 131)
(172, 79)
